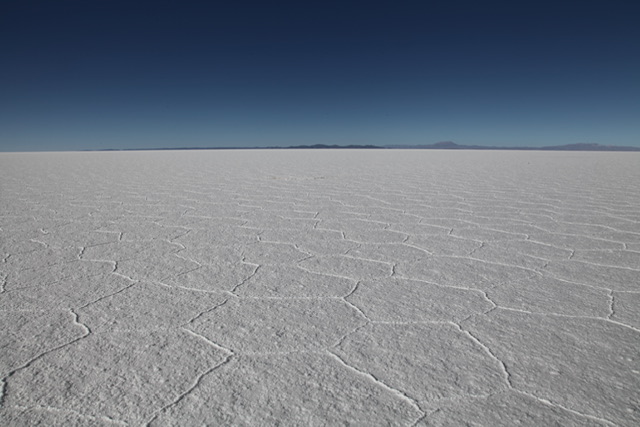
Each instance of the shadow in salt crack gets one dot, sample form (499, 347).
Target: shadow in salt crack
(462, 272)
(146, 306)
(299, 388)
(286, 281)
(428, 362)
(269, 325)
(505, 408)
(126, 376)
(581, 364)
(615, 278)
(28, 334)
(345, 266)
(400, 300)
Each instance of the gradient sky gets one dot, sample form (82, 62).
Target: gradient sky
(90, 74)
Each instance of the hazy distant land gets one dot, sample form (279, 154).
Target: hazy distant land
(445, 145)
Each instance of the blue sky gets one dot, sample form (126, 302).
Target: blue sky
(135, 74)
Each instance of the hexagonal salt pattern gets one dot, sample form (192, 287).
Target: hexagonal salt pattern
(320, 287)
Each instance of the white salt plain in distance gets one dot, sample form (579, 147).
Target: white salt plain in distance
(320, 287)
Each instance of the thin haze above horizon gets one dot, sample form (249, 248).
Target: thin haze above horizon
(137, 74)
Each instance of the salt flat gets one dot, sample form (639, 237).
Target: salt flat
(320, 287)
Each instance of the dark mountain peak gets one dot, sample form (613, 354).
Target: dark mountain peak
(445, 144)
(589, 146)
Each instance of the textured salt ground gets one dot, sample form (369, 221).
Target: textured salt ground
(320, 288)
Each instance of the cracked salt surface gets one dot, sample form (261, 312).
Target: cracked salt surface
(320, 288)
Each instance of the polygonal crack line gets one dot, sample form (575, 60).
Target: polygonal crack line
(81, 253)
(115, 267)
(202, 313)
(462, 288)
(437, 403)
(405, 323)
(610, 266)
(182, 247)
(358, 246)
(503, 366)
(198, 267)
(465, 397)
(208, 341)
(195, 385)
(425, 415)
(76, 321)
(474, 250)
(394, 273)
(618, 242)
(115, 264)
(484, 313)
(562, 279)
(115, 271)
(245, 280)
(184, 258)
(559, 406)
(307, 253)
(186, 288)
(186, 209)
(355, 307)
(612, 311)
(429, 253)
(87, 332)
(2, 391)
(325, 274)
(309, 256)
(355, 288)
(45, 244)
(567, 316)
(589, 224)
(615, 322)
(486, 296)
(187, 231)
(107, 296)
(351, 332)
(404, 396)
(321, 351)
(367, 259)
(171, 240)
(533, 271)
(280, 242)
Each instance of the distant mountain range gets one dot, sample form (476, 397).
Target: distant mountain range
(445, 145)
(448, 145)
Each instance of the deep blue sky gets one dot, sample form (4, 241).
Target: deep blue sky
(86, 74)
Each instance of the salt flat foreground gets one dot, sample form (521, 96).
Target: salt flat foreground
(320, 288)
